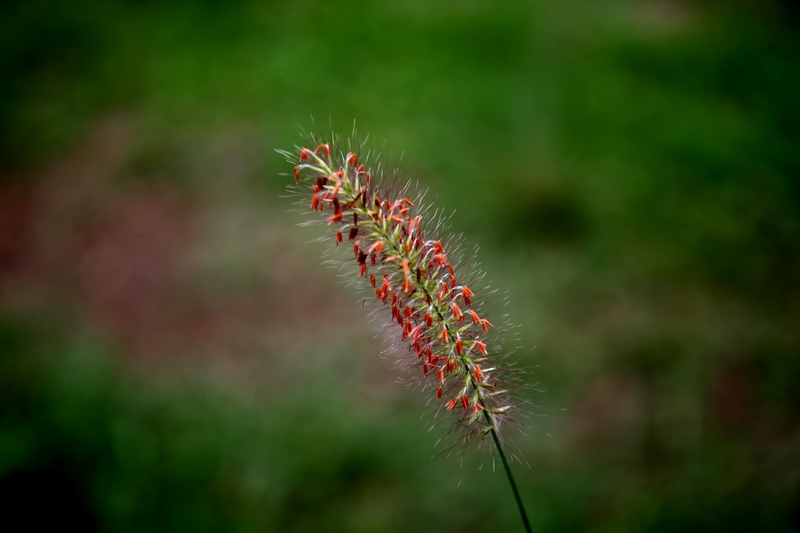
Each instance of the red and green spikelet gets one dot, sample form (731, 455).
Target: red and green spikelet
(411, 274)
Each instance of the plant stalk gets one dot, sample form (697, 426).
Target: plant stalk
(513, 483)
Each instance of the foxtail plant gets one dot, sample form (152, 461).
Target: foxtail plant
(453, 346)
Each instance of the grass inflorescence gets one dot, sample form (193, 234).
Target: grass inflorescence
(423, 283)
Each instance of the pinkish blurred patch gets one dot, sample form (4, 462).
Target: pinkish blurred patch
(128, 259)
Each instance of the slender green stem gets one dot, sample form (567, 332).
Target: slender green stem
(513, 483)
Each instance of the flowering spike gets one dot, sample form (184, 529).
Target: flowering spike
(414, 282)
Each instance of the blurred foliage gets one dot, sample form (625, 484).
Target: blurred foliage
(630, 170)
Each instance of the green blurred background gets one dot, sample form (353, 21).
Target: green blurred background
(173, 356)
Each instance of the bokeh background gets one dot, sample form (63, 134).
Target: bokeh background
(174, 358)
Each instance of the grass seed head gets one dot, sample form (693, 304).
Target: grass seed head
(418, 277)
